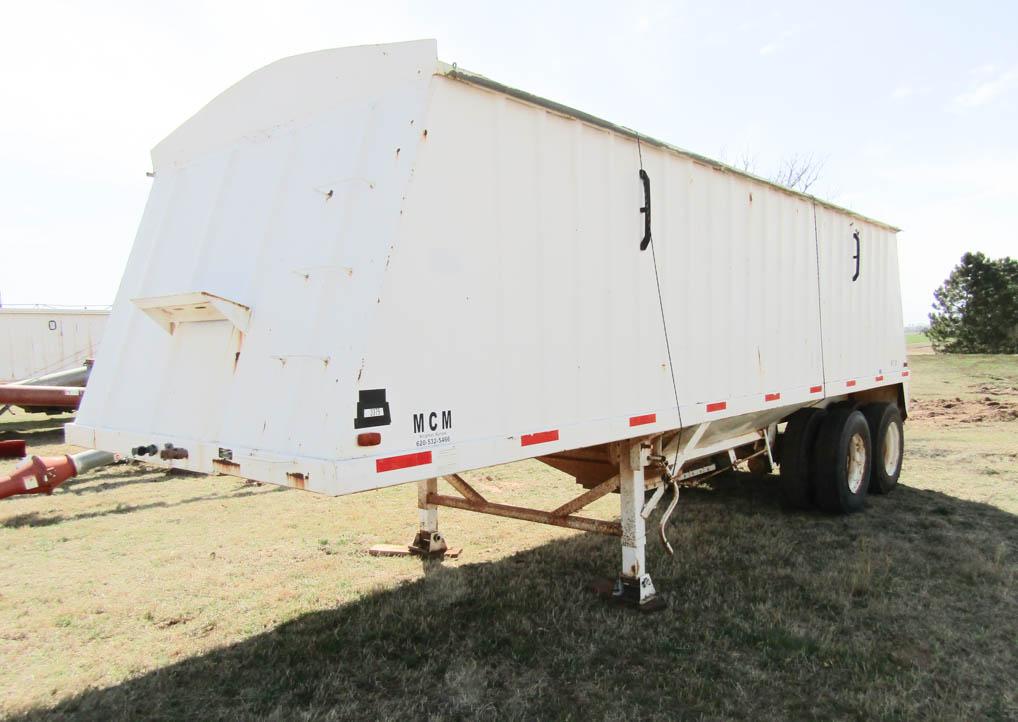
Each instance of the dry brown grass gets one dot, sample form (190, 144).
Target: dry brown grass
(137, 594)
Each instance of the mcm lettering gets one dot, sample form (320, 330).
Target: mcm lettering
(431, 420)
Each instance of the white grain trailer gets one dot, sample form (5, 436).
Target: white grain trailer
(38, 340)
(364, 267)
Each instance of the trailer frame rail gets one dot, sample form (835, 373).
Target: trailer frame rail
(563, 516)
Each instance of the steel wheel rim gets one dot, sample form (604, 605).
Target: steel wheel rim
(892, 450)
(855, 462)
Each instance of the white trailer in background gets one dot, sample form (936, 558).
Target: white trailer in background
(39, 340)
(364, 267)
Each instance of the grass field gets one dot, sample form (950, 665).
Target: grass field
(918, 343)
(135, 594)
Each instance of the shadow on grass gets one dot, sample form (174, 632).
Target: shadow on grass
(14, 425)
(34, 518)
(106, 479)
(905, 611)
(39, 436)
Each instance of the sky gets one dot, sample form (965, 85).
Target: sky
(911, 107)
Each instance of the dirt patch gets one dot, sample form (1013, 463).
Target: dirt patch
(958, 411)
(998, 389)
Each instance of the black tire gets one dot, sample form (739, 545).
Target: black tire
(760, 465)
(888, 441)
(844, 438)
(796, 455)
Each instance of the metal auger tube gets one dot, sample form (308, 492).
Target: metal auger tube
(43, 474)
(87, 460)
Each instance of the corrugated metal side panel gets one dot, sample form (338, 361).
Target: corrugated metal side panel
(862, 319)
(30, 347)
(452, 71)
(543, 310)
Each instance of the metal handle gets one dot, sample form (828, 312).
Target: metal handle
(645, 210)
(856, 256)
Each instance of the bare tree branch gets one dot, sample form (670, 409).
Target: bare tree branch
(799, 172)
(746, 162)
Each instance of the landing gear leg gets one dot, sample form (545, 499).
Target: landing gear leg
(428, 542)
(634, 586)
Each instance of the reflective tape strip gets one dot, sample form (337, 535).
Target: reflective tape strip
(541, 437)
(850, 383)
(405, 461)
(879, 378)
(904, 373)
(815, 389)
(772, 397)
(641, 420)
(717, 406)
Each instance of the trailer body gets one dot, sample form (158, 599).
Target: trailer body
(364, 267)
(38, 340)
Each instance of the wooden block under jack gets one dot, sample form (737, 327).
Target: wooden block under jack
(395, 550)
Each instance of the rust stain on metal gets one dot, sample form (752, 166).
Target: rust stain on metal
(224, 466)
(574, 505)
(600, 526)
(460, 484)
(240, 345)
(173, 452)
(296, 479)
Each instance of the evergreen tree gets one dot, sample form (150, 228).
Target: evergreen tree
(976, 308)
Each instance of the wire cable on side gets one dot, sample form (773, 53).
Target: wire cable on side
(664, 326)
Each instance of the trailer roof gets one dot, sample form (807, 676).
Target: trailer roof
(44, 309)
(457, 73)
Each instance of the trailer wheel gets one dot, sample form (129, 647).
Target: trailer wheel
(842, 460)
(888, 445)
(796, 454)
(759, 465)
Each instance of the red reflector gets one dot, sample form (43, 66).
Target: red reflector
(850, 383)
(369, 438)
(880, 378)
(541, 437)
(402, 462)
(815, 389)
(772, 397)
(904, 373)
(717, 406)
(641, 420)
